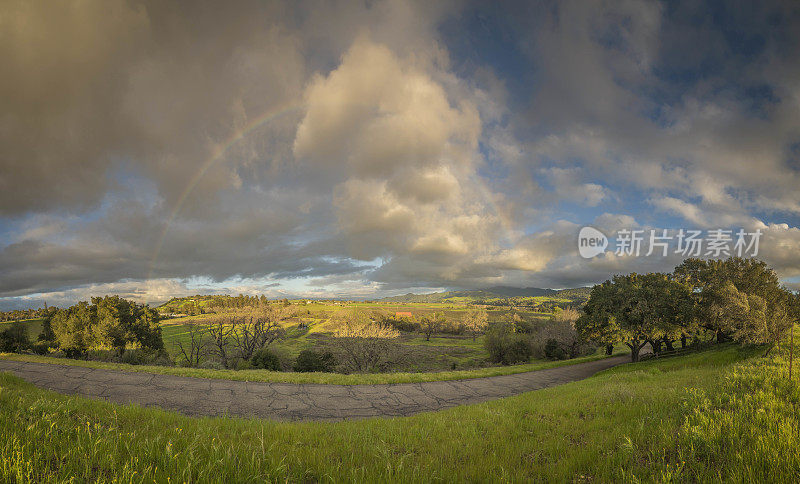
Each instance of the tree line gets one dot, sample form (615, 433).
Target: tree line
(735, 299)
(21, 314)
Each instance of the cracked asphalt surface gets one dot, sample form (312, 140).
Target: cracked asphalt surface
(290, 401)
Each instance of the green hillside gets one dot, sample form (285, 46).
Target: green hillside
(683, 419)
(500, 295)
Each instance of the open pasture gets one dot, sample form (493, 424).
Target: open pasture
(315, 321)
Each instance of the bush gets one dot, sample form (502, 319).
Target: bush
(404, 325)
(554, 351)
(519, 351)
(310, 360)
(562, 340)
(106, 356)
(130, 358)
(145, 356)
(452, 327)
(74, 352)
(15, 338)
(41, 348)
(507, 347)
(212, 365)
(266, 360)
(525, 327)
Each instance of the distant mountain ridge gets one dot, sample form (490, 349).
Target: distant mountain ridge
(496, 292)
(509, 291)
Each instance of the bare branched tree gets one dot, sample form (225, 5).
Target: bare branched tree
(562, 330)
(432, 324)
(192, 351)
(476, 322)
(258, 329)
(220, 332)
(364, 344)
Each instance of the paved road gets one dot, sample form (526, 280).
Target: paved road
(289, 401)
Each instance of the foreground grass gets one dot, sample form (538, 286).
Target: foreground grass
(667, 420)
(294, 377)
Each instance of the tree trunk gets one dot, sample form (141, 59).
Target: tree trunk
(656, 345)
(683, 341)
(721, 338)
(668, 344)
(635, 352)
(609, 350)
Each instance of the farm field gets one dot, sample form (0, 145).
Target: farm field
(674, 419)
(418, 358)
(442, 352)
(34, 326)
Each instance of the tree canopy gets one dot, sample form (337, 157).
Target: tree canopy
(736, 298)
(108, 322)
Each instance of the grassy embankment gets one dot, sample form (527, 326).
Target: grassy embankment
(294, 377)
(720, 414)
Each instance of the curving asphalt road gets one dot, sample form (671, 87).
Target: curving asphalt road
(290, 401)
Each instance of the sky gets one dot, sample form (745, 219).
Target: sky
(158, 149)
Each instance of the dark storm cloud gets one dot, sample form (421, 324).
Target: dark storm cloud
(377, 146)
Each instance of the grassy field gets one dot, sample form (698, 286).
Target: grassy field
(723, 414)
(34, 327)
(446, 356)
(439, 354)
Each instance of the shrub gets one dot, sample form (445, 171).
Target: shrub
(523, 326)
(404, 325)
(40, 348)
(519, 351)
(266, 360)
(14, 339)
(106, 356)
(554, 351)
(130, 358)
(507, 347)
(453, 327)
(566, 341)
(74, 352)
(212, 365)
(145, 356)
(310, 360)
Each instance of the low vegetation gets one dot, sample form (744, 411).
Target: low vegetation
(686, 418)
(226, 332)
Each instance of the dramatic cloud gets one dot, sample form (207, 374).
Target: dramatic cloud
(313, 148)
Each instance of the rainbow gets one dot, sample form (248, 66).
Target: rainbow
(217, 153)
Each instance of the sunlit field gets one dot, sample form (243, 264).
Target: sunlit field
(724, 413)
(438, 354)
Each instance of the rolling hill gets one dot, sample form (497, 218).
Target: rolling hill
(494, 294)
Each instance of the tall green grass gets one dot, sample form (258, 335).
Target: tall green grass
(717, 414)
(747, 430)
